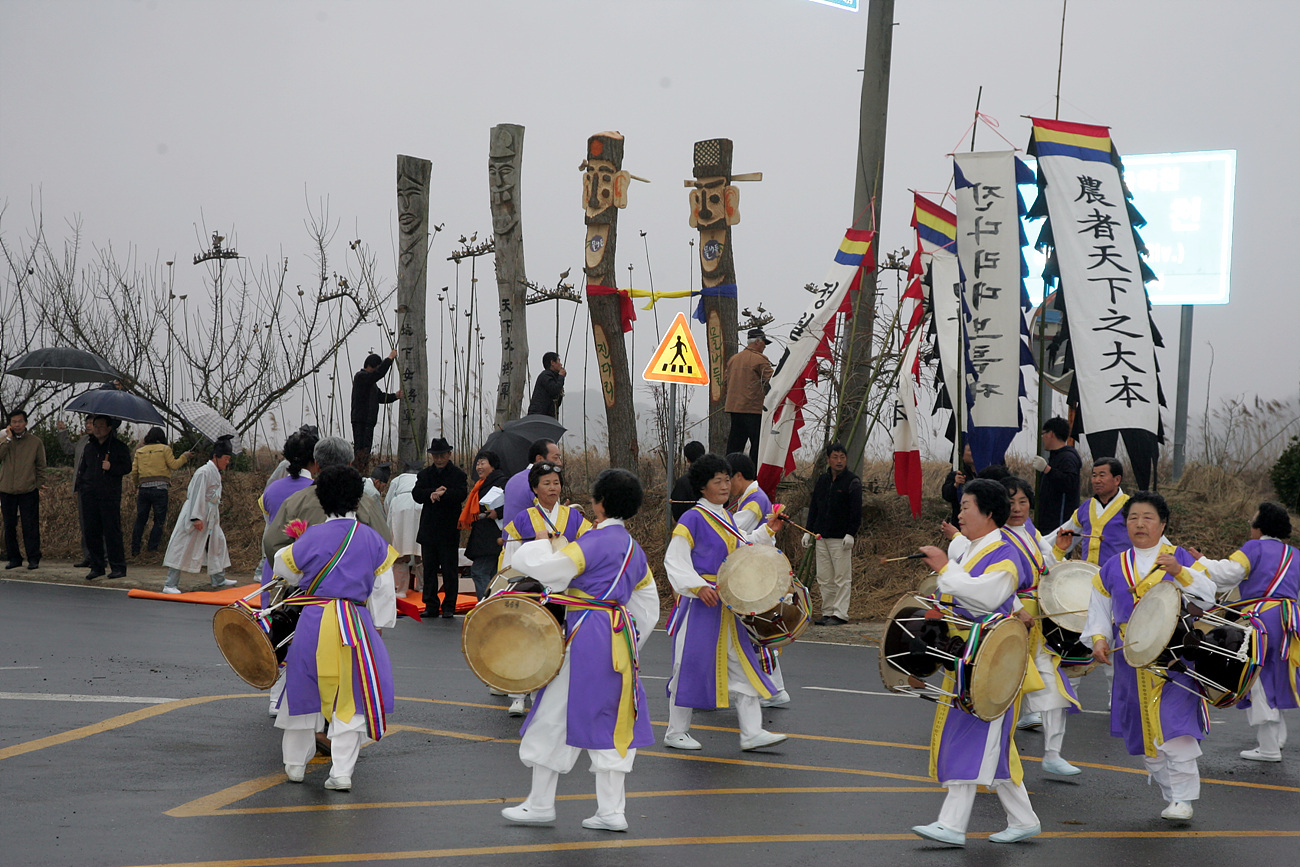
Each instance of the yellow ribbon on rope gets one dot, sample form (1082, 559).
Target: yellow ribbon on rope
(654, 295)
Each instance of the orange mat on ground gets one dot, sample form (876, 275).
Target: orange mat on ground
(225, 596)
(464, 602)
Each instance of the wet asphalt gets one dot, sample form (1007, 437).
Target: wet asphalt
(128, 741)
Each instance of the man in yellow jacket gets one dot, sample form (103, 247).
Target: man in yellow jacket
(151, 473)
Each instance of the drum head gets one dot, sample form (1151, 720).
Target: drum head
(245, 646)
(998, 669)
(512, 644)
(753, 579)
(1152, 624)
(929, 585)
(1067, 587)
(906, 615)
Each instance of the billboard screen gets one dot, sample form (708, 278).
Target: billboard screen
(1187, 201)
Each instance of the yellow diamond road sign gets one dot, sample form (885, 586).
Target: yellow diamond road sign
(677, 359)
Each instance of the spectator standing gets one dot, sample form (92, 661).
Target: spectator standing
(197, 539)
(440, 488)
(956, 481)
(548, 391)
(1058, 496)
(683, 496)
(104, 462)
(366, 398)
(376, 484)
(22, 475)
(835, 514)
(746, 379)
(519, 494)
(74, 450)
(483, 548)
(151, 473)
(404, 518)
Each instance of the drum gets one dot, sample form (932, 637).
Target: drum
(988, 658)
(254, 642)
(784, 622)
(754, 578)
(929, 585)
(1064, 593)
(499, 582)
(1227, 659)
(512, 643)
(1152, 626)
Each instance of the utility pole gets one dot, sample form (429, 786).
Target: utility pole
(851, 427)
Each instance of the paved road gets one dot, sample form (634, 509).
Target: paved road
(129, 742)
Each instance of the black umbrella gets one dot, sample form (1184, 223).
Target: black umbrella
(118, 404)
(60, 364)
(511, 442)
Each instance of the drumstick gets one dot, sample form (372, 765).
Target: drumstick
(777, 511)
(915, 556)
(1059, 613)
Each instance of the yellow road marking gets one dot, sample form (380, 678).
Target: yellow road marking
(113, 722)
(691, 757)
(653, 842)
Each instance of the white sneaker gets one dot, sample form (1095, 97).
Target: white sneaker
(616, 822)
(682, 741)
(761, 740)
(781, 699)
(339, 784)
(1177, 810)
(940, 833)
(526, 815)
(176, 591)
(1030, 721)
(1060, 767)
(1258, 755)
(517, 707)
(295, 772)
(229, 582)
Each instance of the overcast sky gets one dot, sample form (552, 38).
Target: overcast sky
(145, 117)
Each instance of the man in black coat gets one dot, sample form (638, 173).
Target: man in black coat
(834, 514)
(441, 488)
(366, 398)
(1058, 494)
(104, 462)
(548, 391)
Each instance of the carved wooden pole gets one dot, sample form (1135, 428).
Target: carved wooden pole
(412, 276)
(604, 192)
(504, 161)
(715, 208)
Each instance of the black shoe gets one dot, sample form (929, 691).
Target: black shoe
(449, 614)
(33, 564)
(81, 564)
(121, 573)
(94, 573)
(14, 564)
(830, 621)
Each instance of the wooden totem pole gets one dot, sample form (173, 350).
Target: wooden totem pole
(412, 276)
(715, 208)
(604, 192)
(504, 159)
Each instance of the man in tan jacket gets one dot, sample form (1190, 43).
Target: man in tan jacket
(746, 380)
(22, 473)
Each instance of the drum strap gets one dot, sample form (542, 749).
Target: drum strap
(314, 584)
(1290, 618)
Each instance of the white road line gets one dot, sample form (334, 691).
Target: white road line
(18, 667)
(652, 677)
(60, 696)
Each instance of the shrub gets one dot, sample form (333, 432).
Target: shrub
(1285, 475)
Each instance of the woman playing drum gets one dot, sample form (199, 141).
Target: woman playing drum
(547, 518)
(750, 507)
(337, 670)
(713, 658)
(1267, 570)
(1161, 721)
(596, 702)
(1057, 696)
(965, 751)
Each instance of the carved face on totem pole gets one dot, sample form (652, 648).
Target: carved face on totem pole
(604, 191)
(503, 180)
(412, 207)
(715, 207)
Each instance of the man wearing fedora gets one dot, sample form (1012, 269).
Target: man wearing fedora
(440, 489)
(746, 380)
(366, 398)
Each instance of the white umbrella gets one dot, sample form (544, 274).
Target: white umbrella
(210, 423)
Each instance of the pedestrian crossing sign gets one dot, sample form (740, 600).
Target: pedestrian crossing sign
(677, 359)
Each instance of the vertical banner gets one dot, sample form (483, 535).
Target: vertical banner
(1095, 257)
(990, 243)
(936, 239)
(907, 447)
(809, 340)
